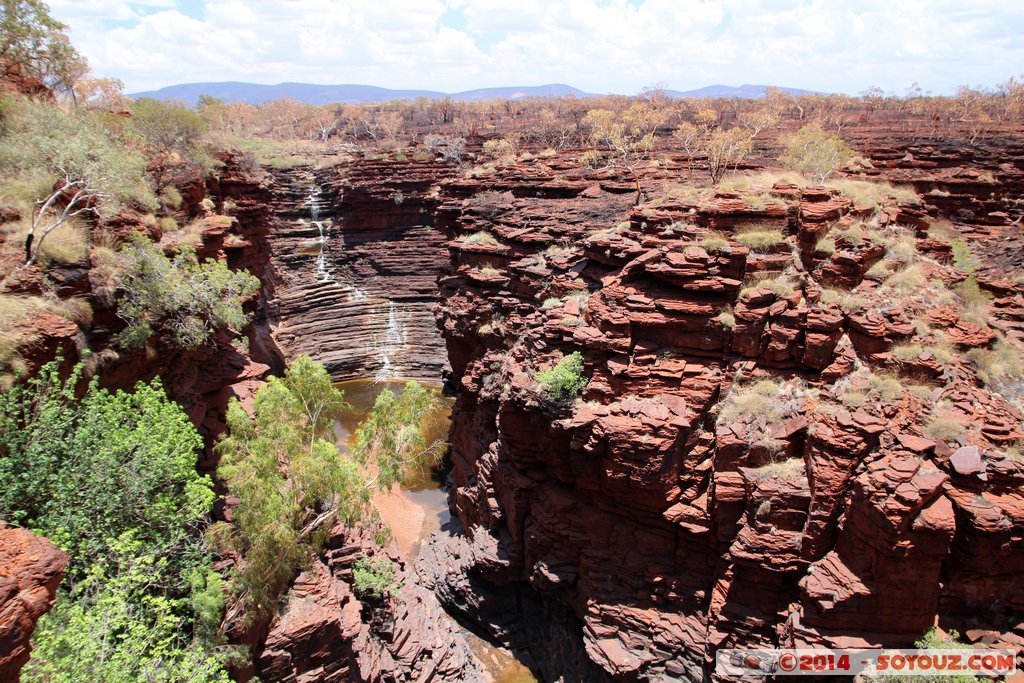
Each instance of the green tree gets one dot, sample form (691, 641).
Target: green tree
(83, 166)
(111, 478)
(391, 439)
(84, 471)
(814, 152)
(38, 44)
(289, 480)
(185, 299)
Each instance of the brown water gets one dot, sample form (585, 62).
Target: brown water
(418, 509)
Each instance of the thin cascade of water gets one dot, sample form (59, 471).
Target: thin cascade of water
(388, 336)
(315, 203)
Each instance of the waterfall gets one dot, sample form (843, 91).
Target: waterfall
(315, 203)
(388, 336)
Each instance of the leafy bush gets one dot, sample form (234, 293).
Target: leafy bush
(111, 628)
(812, 151)
(566, 380)
(111, 478)
(185, 299)
(82, 472)
(373, 578)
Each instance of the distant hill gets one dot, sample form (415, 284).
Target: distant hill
(255, 93)
(746, 92)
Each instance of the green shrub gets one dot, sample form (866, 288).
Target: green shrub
(84, 471)
(111, 478)
(552, 302)
(185, 299)
(811, 151)
(565, 381)
(373, 578)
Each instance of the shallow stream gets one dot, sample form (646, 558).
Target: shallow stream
(414, 512)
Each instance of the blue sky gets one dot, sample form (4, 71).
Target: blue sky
(597, 45)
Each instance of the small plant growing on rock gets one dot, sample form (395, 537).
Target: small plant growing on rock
(760, 241)
(943, 429)
(999, 362)
(714, 242)
(726, 317)
(565, 381)
(480, 237)
(373, 579)
(907, 281)
(790, 469)
(552, 302)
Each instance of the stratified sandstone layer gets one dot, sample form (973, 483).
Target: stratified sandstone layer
(31, 568)
(355, 258)
(327, 634)
(668, 526)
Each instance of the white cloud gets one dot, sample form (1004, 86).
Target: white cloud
(597, 45)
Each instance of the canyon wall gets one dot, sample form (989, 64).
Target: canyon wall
(633, 533)
(355, 285)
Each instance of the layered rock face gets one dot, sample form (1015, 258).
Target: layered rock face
(326, 633)
(760, 457)
(355, 259)
(31, 568)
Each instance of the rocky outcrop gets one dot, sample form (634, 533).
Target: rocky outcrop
(752, 463)
(326, 633)
(31, 568)
(355, 258)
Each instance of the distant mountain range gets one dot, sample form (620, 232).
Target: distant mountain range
(255, 93)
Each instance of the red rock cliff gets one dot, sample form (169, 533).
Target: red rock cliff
(635, 532)
(31, 568)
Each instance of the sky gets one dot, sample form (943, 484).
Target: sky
(599, 46)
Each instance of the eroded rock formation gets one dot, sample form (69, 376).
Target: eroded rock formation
(326, 633)
(834, 513)
(31, 568)
(355, 258)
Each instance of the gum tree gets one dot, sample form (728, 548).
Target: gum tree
(86, 169)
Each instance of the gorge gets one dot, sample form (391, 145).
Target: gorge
(755, 459)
